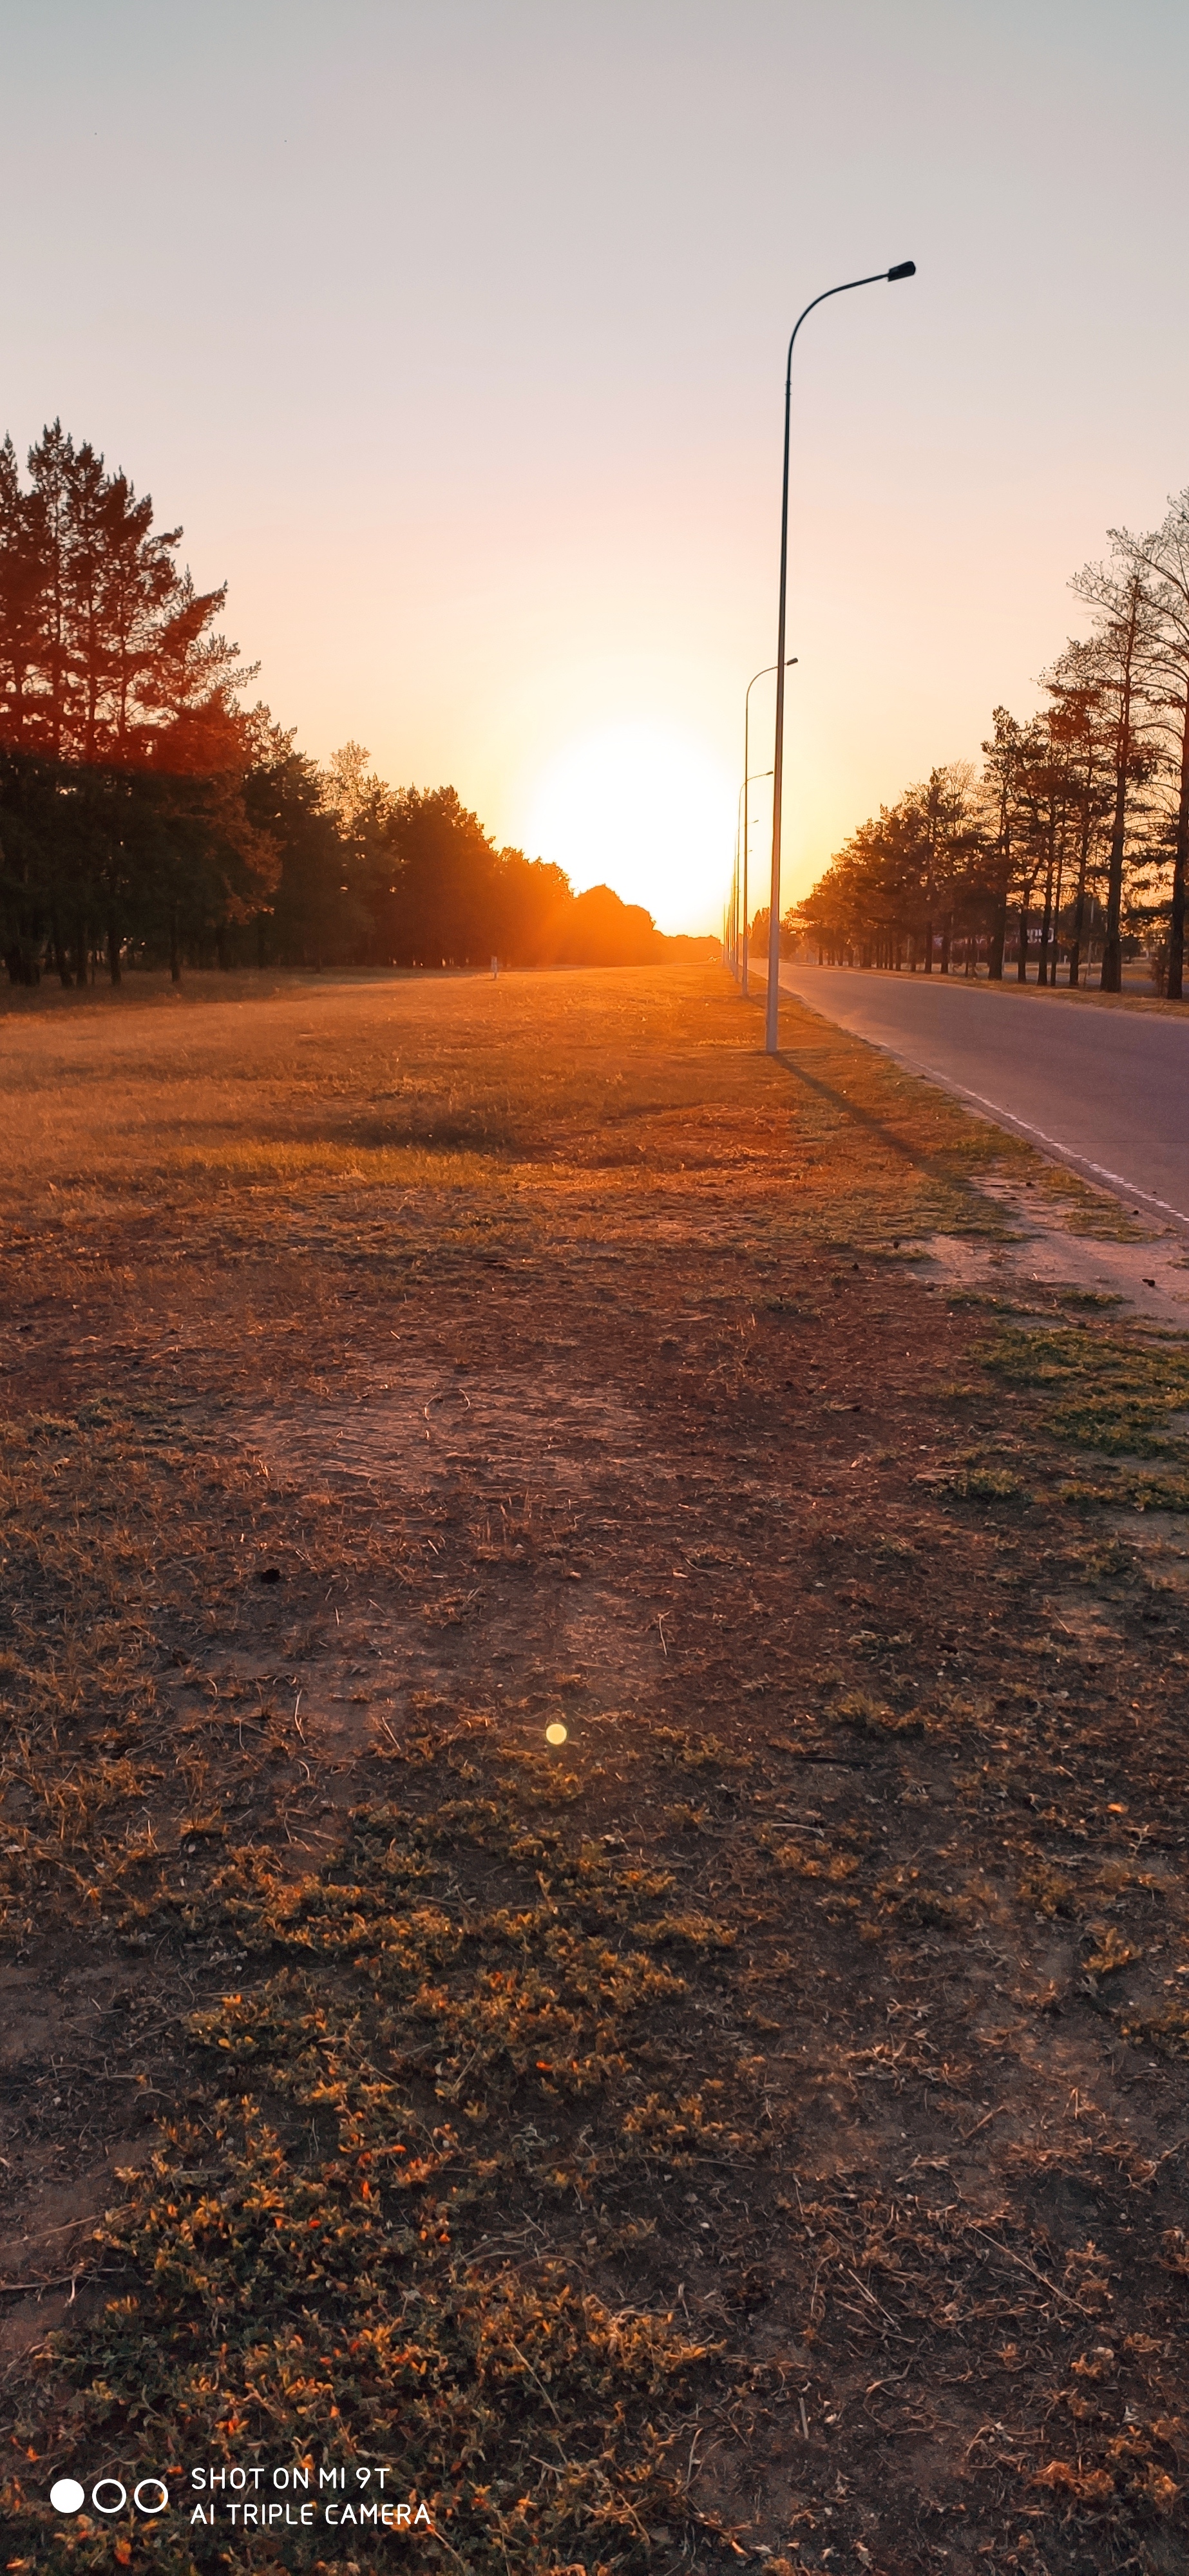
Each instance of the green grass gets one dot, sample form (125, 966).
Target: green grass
(1113, 1396)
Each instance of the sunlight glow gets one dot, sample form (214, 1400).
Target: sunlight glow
(644, 809)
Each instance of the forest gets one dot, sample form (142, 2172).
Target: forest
(151, 816)
(1067, 848)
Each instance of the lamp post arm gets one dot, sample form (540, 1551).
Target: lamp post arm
(876, 279)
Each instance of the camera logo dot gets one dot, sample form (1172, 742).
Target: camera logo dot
(109, 2495)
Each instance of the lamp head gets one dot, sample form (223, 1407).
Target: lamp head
(905, 268)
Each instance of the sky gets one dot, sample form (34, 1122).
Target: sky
(453, 332)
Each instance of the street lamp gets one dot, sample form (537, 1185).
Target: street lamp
(760, 773)
(739, 938)
(904, 268)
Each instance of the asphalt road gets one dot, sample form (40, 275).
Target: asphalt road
(1106, 1090)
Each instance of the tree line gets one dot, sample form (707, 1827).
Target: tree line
(150, 815)
(1070, 841)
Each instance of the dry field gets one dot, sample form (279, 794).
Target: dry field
(567, 1958)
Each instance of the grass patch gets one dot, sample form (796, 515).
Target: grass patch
(408, 2063)
(1114, 1395)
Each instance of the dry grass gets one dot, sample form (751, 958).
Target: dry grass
(595, 1079)
(746, 2127)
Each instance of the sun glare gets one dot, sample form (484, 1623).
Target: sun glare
(647, 811)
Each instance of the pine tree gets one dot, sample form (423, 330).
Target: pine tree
(1161, 561)
(1125, 634)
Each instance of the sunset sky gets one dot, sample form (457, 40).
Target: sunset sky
(453, 331)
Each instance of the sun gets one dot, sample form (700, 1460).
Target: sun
(644, 809)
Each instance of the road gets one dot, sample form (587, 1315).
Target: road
(1105, 1090)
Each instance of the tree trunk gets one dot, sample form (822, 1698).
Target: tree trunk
(928, 948)
(58, 945)
(945, 945)
(1056, 958)
(1079, 908)
(1111, 979)
(1022, 959)
(113, 954)
(998, 940)
(175, 955)
(222, 949)
(1176, 929)
(1045, 974)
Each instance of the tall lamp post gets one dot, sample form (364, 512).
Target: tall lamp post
(882, 276)
(738, 943)
(760, 773)
(731, 915)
